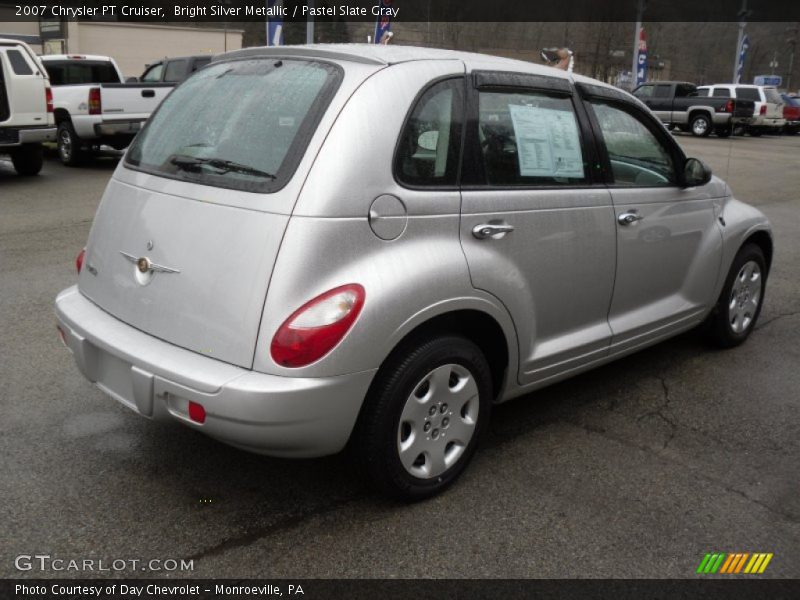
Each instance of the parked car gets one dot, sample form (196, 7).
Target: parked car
(791, 112)
(373, 244)
(768, 115)
(26, 107)
(93, 107)
(174, 70)
(677, 104)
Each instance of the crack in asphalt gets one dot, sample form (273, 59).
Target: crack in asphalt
(659, 412)
(698, 473)
(289, 522)
(775, 318)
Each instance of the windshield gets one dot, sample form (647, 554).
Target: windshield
(81, 72)
(240, 125)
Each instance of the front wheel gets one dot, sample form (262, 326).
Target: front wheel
(700, 125)
(739, 304)
(423, 416)
(28, 159)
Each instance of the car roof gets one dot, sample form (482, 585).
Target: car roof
(379, 54)
(167, 58)
(75, 56)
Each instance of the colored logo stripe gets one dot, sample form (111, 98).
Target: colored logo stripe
(735, 562)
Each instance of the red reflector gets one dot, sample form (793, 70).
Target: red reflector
(196, 412)
(61, 335)
(95, 104)
(79, 260)
(48, 97)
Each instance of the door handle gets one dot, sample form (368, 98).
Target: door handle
(629, 217)
(491, 230)
(148, 94)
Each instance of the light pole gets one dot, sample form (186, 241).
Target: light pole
(637, 34)
(792, 42)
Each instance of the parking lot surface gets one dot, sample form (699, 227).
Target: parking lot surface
(635, 469)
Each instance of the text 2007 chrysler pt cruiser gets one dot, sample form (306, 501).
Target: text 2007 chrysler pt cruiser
(318, 245)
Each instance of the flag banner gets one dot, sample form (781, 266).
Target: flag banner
(641, 61)
(742, 55)
(383, 26)
(275, 23)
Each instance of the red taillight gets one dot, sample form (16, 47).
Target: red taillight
(95, 104)
(763, 110)
(196, 412)
(316, 327)
(48, 97)
(79, 260)
(729, 106)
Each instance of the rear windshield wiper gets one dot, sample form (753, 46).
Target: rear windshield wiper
(193, 163)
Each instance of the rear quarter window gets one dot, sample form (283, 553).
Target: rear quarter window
(19, 65)
(241, 124)
(748, 94)
(81, 72)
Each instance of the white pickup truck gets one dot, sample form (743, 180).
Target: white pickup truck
(93, 106)
(26, 109)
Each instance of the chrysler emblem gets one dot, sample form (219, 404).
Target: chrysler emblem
(145, 265)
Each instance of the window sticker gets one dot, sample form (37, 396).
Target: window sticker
(548, 142)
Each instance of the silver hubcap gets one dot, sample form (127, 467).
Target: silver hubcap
(699, 126)
(438, 421)
(745, 297)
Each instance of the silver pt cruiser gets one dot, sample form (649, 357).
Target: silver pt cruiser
(319, 246)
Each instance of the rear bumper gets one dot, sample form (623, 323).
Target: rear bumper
(112, 128)
(13, 137)
(768, 122)
(727, 119)
(268, 414)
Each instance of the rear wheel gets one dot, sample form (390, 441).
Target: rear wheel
(700, 125)
(739, 304)
(28, 159)
(755, 132)
(423, 416)
(70, 146)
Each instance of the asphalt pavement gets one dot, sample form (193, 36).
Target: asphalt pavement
(635, 469)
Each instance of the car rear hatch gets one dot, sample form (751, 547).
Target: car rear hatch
(774, 103)
(186, 236)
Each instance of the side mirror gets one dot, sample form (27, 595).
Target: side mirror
(695, 173)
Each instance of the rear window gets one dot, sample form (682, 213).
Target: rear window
(240, 125)
(748, 94)
(81, 72)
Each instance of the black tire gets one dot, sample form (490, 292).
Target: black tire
(792, 130)
(724, 132)
(28, 159)
(720, 330)
(755, 132)
(377, 434)
(70, 146)
(700, 125)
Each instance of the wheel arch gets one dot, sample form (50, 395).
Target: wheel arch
(61, 115)
(763, 240)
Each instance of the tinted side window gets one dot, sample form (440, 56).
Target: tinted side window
(682, 91)
(722, 93)
(429, 148)
(176, 70)
(637, 156)
(153, 73)
(748, 94)
(662, 91)
(199, 63)
(81, 72)
(644, 91)
(529, 138)
(19, 65)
